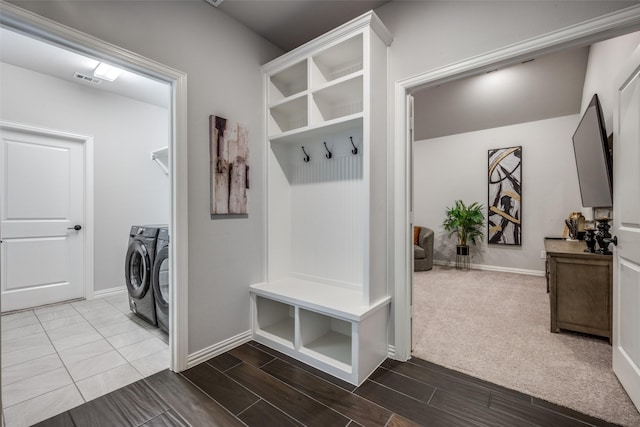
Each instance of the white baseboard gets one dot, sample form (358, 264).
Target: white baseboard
(494, 268)
(391, 351)
(109, 292)
(216, 349)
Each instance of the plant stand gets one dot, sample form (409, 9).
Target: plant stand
(462, 257)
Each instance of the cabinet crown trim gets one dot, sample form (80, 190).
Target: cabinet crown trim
(366, 20)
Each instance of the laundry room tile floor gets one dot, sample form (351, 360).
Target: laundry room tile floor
(57, 357)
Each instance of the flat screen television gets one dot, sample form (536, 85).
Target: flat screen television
(593, 158)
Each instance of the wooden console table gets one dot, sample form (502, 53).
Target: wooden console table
(580, 288)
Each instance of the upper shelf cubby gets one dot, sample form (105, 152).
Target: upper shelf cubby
(288, 82)
(288, 115)
(337, 61)
(338, 100)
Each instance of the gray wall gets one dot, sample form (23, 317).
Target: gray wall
(128, 187)
(550, 185)
(431, 35)
(222, 60)
(455, 167)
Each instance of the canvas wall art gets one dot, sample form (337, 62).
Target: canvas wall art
(229, 158)
(505, 196)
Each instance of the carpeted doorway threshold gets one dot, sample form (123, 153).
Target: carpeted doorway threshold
(495, 326)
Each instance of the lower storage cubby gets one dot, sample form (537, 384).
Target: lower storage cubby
(324, 326)
(275, 320)
(326, 338)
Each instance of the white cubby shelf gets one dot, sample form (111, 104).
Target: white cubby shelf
(317, 131)
(325, 299)
(325, 325)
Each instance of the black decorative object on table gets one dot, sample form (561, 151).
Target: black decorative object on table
(590, 240)
(603, 237)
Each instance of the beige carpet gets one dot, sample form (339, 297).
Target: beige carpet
(495, 326)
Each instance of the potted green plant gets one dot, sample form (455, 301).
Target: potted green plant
(467, 223)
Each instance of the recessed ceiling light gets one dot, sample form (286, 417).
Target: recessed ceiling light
(106, 72)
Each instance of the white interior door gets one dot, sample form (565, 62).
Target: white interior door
(42, 199)
(626, 226)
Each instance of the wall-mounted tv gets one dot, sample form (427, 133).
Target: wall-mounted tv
(593, 158)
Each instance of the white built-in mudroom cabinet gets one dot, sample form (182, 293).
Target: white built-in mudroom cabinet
(326, 298)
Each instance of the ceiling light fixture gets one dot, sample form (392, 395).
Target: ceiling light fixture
(214, 3)
(106, 72)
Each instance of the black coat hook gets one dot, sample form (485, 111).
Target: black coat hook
(355, 149)
(306, 157)
(328, 155)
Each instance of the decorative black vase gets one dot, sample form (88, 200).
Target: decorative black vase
(603, 236)
(590, 240)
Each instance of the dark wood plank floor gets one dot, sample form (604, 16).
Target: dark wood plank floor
(253, 385)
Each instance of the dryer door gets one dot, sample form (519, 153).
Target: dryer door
(161, 280)
(137, 269)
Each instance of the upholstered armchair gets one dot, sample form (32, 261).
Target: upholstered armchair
(422, 249)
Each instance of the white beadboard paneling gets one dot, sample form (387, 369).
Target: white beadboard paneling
(324, 244)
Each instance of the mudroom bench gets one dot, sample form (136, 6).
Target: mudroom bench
(326, 326)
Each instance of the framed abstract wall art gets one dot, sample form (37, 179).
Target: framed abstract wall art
(229, 161)
(505, 196)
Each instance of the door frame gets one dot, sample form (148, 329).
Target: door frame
(400, 245)
(33, 25)
(87, 235)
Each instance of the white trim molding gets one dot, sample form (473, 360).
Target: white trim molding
(26, 22)
(103, 293)
(497, 268)
(591, 31)
(391, 351)
(218, 348)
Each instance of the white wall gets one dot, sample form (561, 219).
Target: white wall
(455, 167)
(128, 187)
(222, 60)
(603, 68)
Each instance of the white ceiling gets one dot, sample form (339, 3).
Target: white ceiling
(32, 54)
